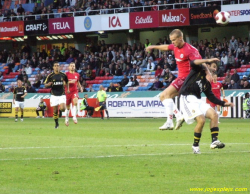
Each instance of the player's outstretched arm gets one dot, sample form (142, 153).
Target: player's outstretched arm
(229, 104)
(159, 47)
(200, 61)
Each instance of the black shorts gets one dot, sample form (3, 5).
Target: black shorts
(103, 105)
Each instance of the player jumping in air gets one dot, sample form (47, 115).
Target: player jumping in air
(184, 53)
(72, 97)
(56, 81)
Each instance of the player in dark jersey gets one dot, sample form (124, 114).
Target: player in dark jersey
(193, 108)
(18, 98)
(56, 81)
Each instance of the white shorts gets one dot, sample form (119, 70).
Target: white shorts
(56, 100)
(192, 107)
(19, 104)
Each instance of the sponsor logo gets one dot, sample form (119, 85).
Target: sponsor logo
(141, 20)
(87, 23)
(239, 12)
(114, 22)
(60, 25)
(175, 18)
(204, 15)
(36, 27)
(11, 29)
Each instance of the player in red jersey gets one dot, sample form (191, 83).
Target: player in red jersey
(216, 89)
(72, 96)
(184, 53)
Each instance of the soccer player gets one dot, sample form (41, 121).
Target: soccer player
(18, 98)
(193, 108)
(101, 99)
(216, 89)
(184, 53)
(72, 97)
(56, 81)
(41, 107)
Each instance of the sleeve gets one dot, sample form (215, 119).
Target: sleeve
(65, 78)
(48, 79)
(194, 54)
(171, 47)
(24, 90)
(105, 94)
(14, 91)
(211, 97)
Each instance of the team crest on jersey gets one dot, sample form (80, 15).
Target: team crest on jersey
(75, 76)
(181, 56)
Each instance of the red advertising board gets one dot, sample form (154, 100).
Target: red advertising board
(12, 28)
(148, 19)
(61, 25)
(174, 17)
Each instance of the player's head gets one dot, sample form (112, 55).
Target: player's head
(86, 96)
(19, 83)
(41, 99)
(72, 67)
(56, 66)
(247, 95)
(101, 87)
(215, 77)
(176, 37)
(212, 67)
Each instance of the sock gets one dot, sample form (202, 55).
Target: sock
(16, 114)
(21, 115)
(73, 111)
(218, 112)
(168, 104)
(101, 113)
(60, 113)
(197, 137)
(176, 112)
(55, 115)
(67, 112)
(214, 133)
(107, 113)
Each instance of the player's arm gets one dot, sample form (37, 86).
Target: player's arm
(201, 61)
(80, 87)
(14, 95)
(223, 92)
(48, 83)
(25, 94)
(159, 47)
(67, 83)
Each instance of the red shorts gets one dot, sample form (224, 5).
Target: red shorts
(70, 97)
(178, 82)
(212, 104)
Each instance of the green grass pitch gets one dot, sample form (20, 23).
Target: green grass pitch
(119, 156)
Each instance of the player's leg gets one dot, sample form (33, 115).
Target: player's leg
(218, 112)
(213, 116)
(167, 100)
(68, 101)
(106, 110)
(91, 111)
(74, 109)
(101, 109)
(197, 133)
(55, 116)
(16, 112)
(43, 112)
(21, 105)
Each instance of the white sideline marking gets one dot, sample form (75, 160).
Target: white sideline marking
(117, 156)
(93, 146)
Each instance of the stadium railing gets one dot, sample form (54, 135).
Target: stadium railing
(192, 4)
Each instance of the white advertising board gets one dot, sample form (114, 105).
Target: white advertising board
(238, 12)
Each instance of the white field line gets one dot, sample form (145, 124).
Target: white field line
(93, 146)
(117, 156)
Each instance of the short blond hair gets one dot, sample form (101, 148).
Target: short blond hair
(178, 32)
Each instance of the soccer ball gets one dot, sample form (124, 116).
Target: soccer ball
(222, 18)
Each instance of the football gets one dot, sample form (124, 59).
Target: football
(222, 18)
